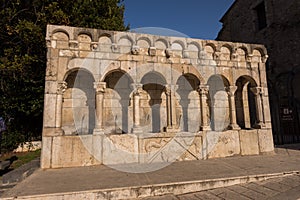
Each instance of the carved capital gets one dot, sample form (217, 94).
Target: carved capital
(94, 46)
(135, 50)
(152, 51)
(73, 44)
(264, 58)
(114, 48)
(231, 90)
(203, 89)
(61, 87)
(256, 90)
(137, 88)
(249, 58)
(168, 90)
(217, 55)
(169, 53)
(100, 87)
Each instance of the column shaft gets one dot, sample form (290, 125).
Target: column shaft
(203, 90)
(231, 91)
(61, 88)
(136, 107)
(168, 99)
(100, 90)
(258, 103)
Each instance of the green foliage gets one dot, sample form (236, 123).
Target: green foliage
(23, 52)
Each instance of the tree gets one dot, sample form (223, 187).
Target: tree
(23, 53)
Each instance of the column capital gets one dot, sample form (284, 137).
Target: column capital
(203, 89)
(231, 90)
(264, 58)
(61, 87)
(168, 90)
(137, 88)
(100, 87)
(256, 90)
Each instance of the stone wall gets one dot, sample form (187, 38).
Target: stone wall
(281, 38)
(120, 97)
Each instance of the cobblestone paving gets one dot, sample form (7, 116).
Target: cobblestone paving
(287, 188)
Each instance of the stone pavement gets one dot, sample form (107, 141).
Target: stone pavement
(179, 178)
(286, 187)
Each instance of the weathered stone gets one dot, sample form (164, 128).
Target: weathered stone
(265, 141)
(249, 142)
(165, 99)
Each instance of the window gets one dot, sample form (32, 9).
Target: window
(261, 16)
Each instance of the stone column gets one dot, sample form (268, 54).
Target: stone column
(203, 90)
(231, 91)
(258, 103)
(136, 108)
(168, 105)
(173, 107)
(61, 88)
(100, 90)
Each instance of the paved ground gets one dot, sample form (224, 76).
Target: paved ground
(102, 177)
(287, 188)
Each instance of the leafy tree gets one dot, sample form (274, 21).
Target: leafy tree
(23, 54)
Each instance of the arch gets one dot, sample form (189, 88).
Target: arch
(190, 117)
(78, 113)
(218, 102)
(257, 54)
(242, 52)
(84, 32)
(154, 84)
(117, 112)
(209, 51)
(245, 102)
(161, 43)
(144, 42)
(84, 38)
(193, 46)
(262, 51)
(178, 45)
(125, 40)
(59, 34)
(75, 69)
(225, 52)
(245, 49)
(105, 39)
(62, 39)
(212, 45)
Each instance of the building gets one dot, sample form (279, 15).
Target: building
(276, 24)
(120, 97)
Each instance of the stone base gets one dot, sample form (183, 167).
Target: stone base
(234, 127)
(98, 132)
(118, 149)
(137, 130)
(205, 128)
(171, 130)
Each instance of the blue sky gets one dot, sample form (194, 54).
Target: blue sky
(194, 18)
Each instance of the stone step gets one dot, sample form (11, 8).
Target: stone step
(175, 188)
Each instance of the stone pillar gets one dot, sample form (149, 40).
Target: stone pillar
(168, 105)
(61, 88)
(258, 103)
(231, 91)
(136, 108)
(203, 90)
(171, 108)
(100, 90)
